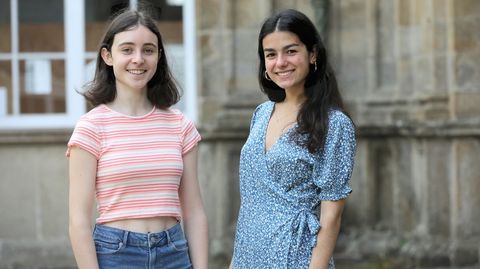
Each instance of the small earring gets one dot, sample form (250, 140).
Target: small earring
(315, 67)
(266, 76)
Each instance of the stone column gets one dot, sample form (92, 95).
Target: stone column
(227, 97)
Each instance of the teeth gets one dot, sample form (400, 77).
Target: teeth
(283, 73)
(137, 71)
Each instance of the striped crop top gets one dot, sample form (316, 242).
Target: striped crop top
(139, 160)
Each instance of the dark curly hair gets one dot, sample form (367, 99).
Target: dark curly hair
(162, 90)
(321, 88)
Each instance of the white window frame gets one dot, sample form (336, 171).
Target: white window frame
(74, 75)
(190, 47)
(75, 57)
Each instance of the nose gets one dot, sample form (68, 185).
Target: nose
(281, 60)
(138, 57)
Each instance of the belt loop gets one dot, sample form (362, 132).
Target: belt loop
(168, 237)
(125, 237)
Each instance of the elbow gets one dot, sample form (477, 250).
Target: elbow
(332, 222)
(196, 214)
(199, 217)
(78, 225)
(196, 219)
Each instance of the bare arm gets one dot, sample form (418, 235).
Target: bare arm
(82, 172)
(330, 220)
(194, 217)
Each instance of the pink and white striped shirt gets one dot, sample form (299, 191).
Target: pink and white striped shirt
(140, 161)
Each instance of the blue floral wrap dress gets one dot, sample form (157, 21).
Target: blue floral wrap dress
(281, 190)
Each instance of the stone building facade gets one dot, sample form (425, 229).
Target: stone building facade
(409, 71)
(411, 74)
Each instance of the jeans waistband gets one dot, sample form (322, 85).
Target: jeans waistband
(137, 239)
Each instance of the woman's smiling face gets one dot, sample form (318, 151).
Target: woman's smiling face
(287, 60)
(134, 57)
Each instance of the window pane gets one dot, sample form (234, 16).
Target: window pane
(169, 17)
(42, 86)
(97, 14)
(41, 26)
(5, 26)
(5, 88)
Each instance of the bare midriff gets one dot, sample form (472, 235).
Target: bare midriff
(144, 225)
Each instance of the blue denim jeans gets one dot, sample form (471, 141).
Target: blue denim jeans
(122, 249)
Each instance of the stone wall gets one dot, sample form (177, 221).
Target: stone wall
(410, 73)
(34, 200)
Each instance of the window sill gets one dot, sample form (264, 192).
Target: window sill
(45, 136)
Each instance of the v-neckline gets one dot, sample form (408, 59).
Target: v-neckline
(265, 130)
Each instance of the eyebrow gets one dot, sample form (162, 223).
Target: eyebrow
(284, 48)
(131, 43)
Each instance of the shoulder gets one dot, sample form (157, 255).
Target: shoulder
(263, 108)
(171, 111)
(94, 117)
(173, 114)
(261, 111)
(265, 105)
(97, 113)
(175, 117)
(338, 119)
(340, 128)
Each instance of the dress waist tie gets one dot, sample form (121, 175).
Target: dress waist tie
(306, 225)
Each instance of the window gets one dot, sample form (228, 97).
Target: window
(34, 74)
(48, 51)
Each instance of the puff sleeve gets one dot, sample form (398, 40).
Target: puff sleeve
(334, 167)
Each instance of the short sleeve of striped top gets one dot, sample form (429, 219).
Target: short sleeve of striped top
(85, 136)
(190, 135)
(139, 160)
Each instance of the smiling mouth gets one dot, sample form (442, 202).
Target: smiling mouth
(284, 73)
(136, 71)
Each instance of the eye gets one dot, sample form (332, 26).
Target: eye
(149, 51)
(126, 50)
(291, 51)
(269, 55)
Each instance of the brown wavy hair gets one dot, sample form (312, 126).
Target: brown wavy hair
(162, 89)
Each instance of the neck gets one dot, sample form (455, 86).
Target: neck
(294, 98)
(131, 104)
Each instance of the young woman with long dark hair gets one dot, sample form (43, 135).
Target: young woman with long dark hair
(298, 157)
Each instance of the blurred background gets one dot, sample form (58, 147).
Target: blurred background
(409, 71)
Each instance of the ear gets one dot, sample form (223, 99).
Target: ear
(106, 56)
(313, 55)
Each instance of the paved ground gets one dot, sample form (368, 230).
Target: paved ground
(389, 265)
(67, 263)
